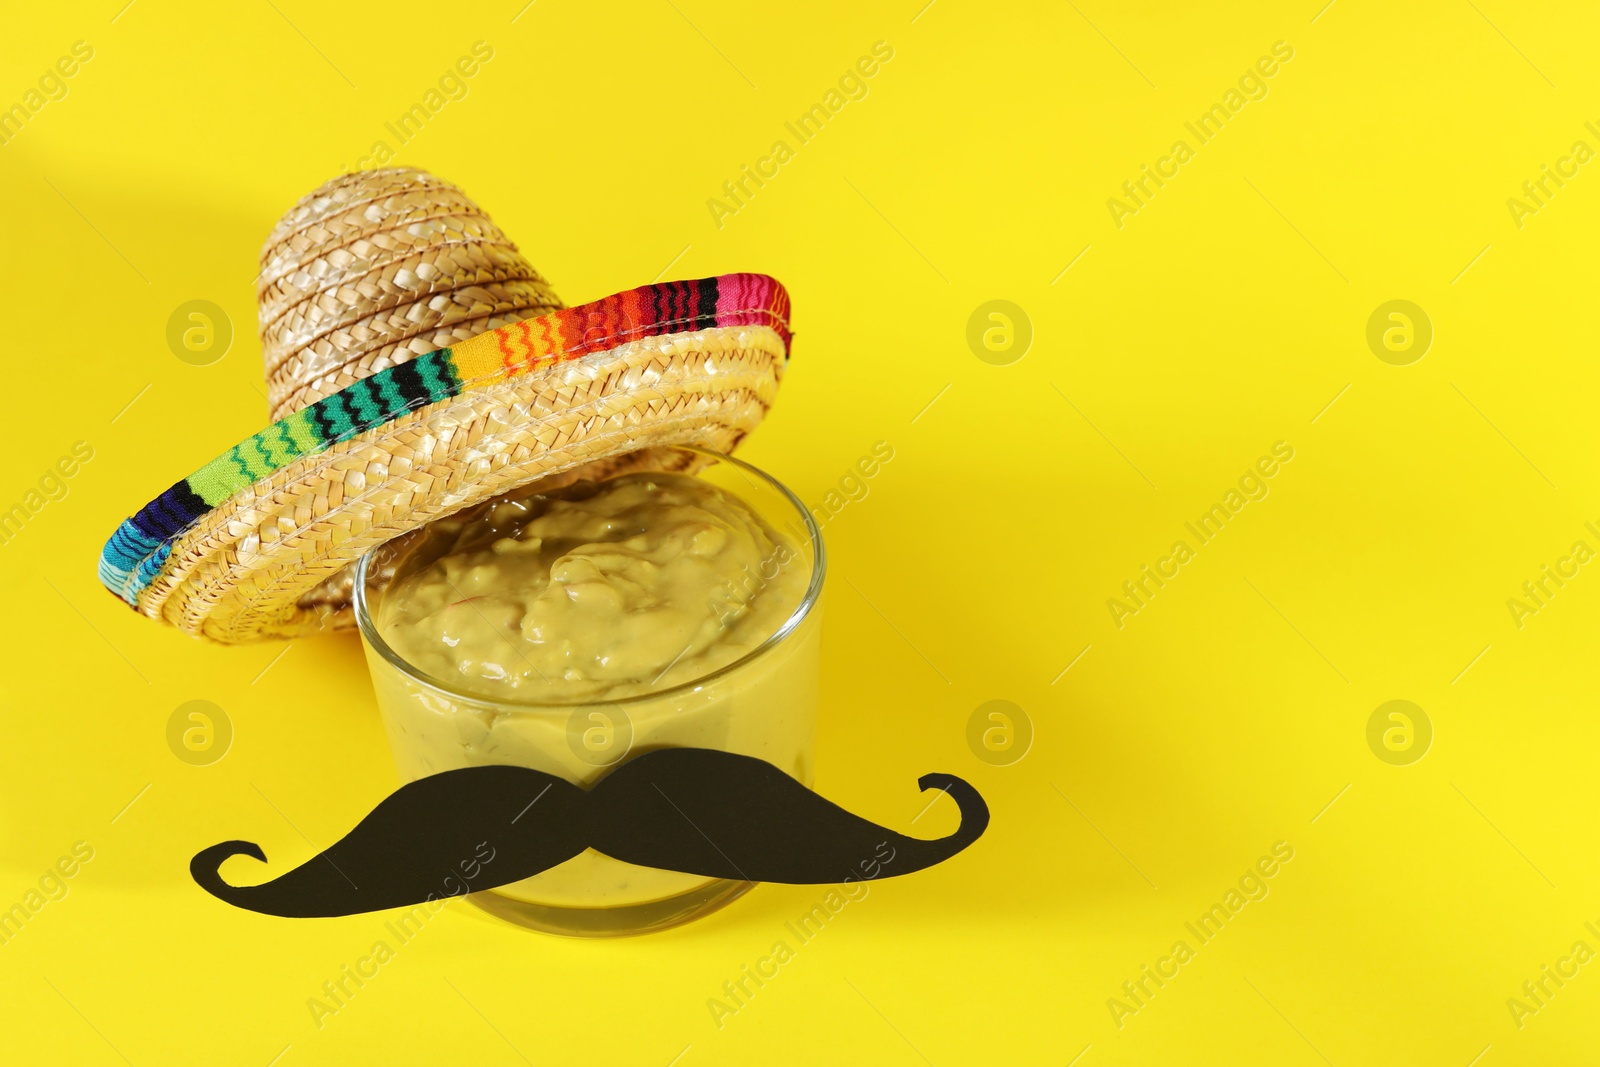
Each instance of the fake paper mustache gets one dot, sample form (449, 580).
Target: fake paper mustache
(695, 810)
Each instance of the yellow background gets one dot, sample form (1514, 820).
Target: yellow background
(1225, 716)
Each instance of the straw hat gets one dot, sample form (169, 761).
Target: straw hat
(416, 365)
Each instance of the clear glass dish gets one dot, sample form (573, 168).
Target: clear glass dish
(763, 704)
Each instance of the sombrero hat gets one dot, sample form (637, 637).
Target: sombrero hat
(417, 365)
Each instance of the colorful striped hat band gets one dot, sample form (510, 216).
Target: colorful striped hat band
(234, 551)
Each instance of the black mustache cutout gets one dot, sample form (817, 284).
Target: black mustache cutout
(695, 810)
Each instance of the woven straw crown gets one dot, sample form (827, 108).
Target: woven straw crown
(378, 267)
(417, 365)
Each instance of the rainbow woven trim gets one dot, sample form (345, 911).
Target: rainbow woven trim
(134, 556)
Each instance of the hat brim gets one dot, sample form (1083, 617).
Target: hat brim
(235, 551)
